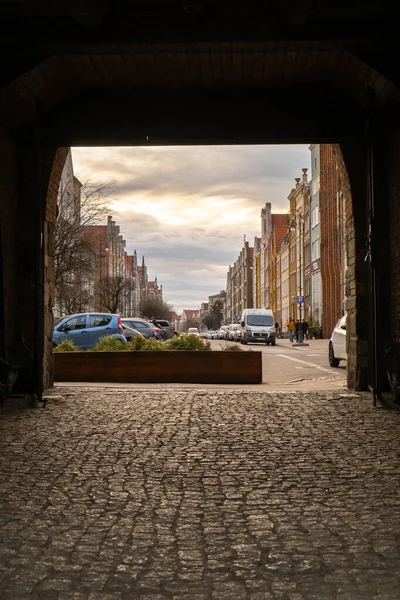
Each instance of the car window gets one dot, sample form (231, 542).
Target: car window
(138, 325)
(99, 320)
(260, 320)
(74, 323)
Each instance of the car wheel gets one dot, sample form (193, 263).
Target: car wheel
(273, 343)
(333, 362)
(267, 343)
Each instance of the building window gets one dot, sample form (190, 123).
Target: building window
(315, 216)
(315, 185)
(315, 249)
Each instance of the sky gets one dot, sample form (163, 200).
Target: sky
(187, 209)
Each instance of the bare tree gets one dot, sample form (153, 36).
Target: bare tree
(191, 322)
(78, 205)
(212, 319)
(76, 298)
(112, 293)
(208, 320)
(156, 307)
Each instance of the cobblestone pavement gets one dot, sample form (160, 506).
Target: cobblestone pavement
(190, 495)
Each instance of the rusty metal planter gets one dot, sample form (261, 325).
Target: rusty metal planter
(159, 367)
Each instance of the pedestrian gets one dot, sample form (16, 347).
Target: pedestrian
(291, 327)
(304, 327)
(297, 326)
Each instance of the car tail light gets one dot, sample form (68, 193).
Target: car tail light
(120, 325)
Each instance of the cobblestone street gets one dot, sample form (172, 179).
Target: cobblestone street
(197, 494)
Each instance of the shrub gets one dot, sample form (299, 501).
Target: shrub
(141, 343)
(150, 344)
(137, 343)
(234, 348)
(66, 346)
(109, 343)
(187, 342)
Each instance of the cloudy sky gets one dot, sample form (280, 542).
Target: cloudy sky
(187, 209)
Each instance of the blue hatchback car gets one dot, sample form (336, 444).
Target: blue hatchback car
(85, 329)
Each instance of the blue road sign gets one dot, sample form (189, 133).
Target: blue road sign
(237, 318)
(300, 299)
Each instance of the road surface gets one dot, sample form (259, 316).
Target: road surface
(290, 366)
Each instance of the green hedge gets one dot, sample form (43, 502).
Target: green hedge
(109, 343)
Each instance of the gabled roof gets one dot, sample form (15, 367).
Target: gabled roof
(279, 233)
(191, 313)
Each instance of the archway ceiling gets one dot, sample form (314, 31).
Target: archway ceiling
(206, 67)
(52, 49)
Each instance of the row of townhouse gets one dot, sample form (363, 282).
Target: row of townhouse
(94, 272)
(297, 265)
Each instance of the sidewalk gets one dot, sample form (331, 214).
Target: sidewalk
(114, 494)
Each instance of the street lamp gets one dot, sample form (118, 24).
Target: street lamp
(293, 219)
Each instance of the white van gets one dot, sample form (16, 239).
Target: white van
(258, 326)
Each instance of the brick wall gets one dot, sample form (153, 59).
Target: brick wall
(57, 162)
(351, 161)
(9, 225)
(330, 238)
(393, 179)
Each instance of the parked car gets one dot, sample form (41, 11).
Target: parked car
(337, 343)
(221, 332)
(235, 332)
(130, 333)
(142, 326)
(168, 331)
(193, 331)
(85, 329)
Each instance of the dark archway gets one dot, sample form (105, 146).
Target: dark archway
(99, 93)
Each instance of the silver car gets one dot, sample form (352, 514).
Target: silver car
(235, 332)
(337, 343)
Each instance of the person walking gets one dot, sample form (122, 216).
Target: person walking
(297, 326)
(304, 327)
(291, 327)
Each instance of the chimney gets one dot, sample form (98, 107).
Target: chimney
(297, 180)
(304, 175)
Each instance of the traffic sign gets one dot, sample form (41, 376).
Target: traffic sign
(237, 318)
(300, 299)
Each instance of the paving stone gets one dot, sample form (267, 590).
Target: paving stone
(189, 494)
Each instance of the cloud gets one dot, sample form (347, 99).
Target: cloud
(187, 209)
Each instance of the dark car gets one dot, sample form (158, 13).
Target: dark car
(130, 333)
(142, 326)
(168, 331)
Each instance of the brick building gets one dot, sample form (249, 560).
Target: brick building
(280, 228)
(332, 231)
(113, 269)
(189, 318)
(239, 284)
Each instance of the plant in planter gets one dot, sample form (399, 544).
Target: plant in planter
(140, 343)
(234, 348)
(188, 342)
(66, 346)
(109, 343)
(185, 359)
